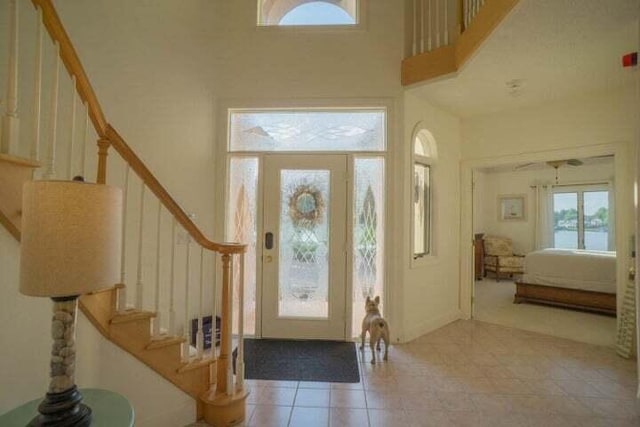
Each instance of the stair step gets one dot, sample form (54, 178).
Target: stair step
(118, 286)
(195, 364)
(164, 342)
(131, 316)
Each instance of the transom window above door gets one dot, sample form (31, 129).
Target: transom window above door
(307, 130)
(308, 12)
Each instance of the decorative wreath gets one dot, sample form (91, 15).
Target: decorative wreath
(306, 205)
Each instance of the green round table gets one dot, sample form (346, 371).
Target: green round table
(109, 410)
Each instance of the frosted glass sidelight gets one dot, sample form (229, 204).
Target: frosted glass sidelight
(421, 209)
(241, 220)
(303, 241)
(368, 235)
(313, 130)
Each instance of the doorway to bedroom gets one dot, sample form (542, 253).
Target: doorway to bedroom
(306, 191)
(544, 246)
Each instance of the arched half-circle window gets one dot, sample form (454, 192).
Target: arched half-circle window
(425, 154)
(308, 12)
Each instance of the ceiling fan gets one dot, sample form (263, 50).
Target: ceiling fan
(557, 163)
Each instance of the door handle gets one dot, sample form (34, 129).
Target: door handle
(268, 240)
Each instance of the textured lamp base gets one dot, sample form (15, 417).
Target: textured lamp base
(63, 410)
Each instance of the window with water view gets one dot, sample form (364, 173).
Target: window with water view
(581, 219)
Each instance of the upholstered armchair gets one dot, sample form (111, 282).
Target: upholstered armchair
(499, 257)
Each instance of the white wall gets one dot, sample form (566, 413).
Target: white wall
(162, 71)
(431, 285)
(489, 185)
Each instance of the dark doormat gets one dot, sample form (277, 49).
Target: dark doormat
(322, 361)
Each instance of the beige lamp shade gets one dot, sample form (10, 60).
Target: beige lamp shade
(71, 238)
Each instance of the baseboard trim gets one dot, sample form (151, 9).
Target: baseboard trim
(431, 325)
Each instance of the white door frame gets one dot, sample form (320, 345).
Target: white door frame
(624, 157)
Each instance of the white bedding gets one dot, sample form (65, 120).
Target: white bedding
(573, 269)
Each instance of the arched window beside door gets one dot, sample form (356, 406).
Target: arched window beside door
(425, 154)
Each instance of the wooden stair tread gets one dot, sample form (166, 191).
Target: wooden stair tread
(164, 342)
(131, 316)
(109, 289)
(195, 364)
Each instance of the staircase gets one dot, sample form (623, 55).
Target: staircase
(168, 266)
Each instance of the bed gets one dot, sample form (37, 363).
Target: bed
(580, 279)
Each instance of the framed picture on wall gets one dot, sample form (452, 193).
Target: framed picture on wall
(511, 207)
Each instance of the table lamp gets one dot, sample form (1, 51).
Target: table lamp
(71, 235)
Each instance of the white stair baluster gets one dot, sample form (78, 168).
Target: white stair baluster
(51, 160)
(415, 28)
(214, 309)
(240, 360)
(73, 127)
(172, 285)
(186, 324)
(200, 334)
(83, 161)
(229, 331)
(37, 89)
(158, 319)
(10, 122)
(139, 288)
(122, 292)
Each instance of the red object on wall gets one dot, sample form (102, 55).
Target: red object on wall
(630, 59)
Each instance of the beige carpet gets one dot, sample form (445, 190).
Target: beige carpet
(494, 304)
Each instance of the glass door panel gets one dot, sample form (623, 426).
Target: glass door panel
(565, 220)
(596, 220)
(304, 243)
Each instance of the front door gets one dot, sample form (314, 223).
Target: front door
(304, 247)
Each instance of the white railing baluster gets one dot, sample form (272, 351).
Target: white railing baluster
(465, 13)
(446, 22)
(429, 45)
(73, 127)
(200, 333)
(51, 160)
(229, 330)
(172, 285)
(139, 289)
(214, 310)
(437, 23)
(122, 292)
(240, 360)
(37, 89)
(185, 326)
(10, 122)
(83, 162)
(422, 25)
(158, 319)
(415, 27)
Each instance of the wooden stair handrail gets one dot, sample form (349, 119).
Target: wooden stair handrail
(129, 156)
(72, 63)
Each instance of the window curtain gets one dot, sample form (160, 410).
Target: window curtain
(543, 216)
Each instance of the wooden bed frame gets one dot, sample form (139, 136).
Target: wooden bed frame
(598, 302)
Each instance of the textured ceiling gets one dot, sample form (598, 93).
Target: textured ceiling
(557, 48)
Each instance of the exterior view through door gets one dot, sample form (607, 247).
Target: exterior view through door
(306, 193)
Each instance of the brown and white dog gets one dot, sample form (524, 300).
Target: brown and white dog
(377, 327)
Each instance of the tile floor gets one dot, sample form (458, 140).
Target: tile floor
(468, 373)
